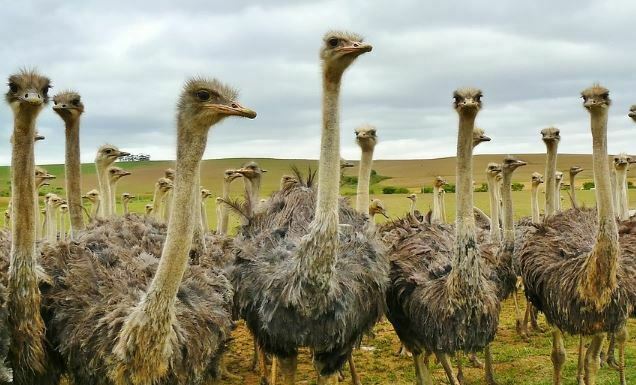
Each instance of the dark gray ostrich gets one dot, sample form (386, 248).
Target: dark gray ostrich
(121, 317)
(318, 281)
(442, 298)
(573, 265)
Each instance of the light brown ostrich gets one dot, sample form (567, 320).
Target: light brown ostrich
(413, 199)
(95, 198)
(366, 138)
(536, 180)
(621, 166)
(148, 209)
(376, 207)
(551, 137)
(53, 204)
(453, 305)
(438, 212)
(27, 95)
(492, 171)
(106, 156)
(126, 198)
(223, 214)
(205, 194)
(572, 266)
(162, 186)
(63, 209)
(252, 174)
(574, 171)
(167, 326)
(42, 178)
(68, 105)
(557, 190)
(114, 176)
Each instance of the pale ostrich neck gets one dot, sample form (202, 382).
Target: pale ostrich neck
(615, 199)
(412, 209)
(156, 201)
(104, 187)
(508, 218)
(550, 177)
(573, 191)
(204, 216)
(465, 264)
(364, 179)
(252, 192)
(436, 214)
(493, 187)
(73, 175)
(621, 196)
(167, 208)
(124, 204)
(318, 249)
(223, 222)
(113, 195)
(96, 208)
(557, 194)
(534, 203)
(442, 205)
(599, 280)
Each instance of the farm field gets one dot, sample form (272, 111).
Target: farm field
(516, 362)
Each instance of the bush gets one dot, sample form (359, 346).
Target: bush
(516, 186)
(482, 188)
(426, 190)
(353, 180)
(630, 185)
(588, 185)
(449, 188)
(394, 190)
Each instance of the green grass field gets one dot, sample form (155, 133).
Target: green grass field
(516, 362)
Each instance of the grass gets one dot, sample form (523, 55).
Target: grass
(516, 362)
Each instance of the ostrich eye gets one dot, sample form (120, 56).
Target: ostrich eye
(13, 87)
(478, 98)
(75, 102)
(333, 42)
(203, 95)
(45, 90)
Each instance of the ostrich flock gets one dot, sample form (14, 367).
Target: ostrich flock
(144, 299)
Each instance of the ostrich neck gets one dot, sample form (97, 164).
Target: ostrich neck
(96, 208)
(412, 209)
(157, 197)
(204, 216)
(436, 214)
(113, 195)
(167, 200)
(599, 278)
(508, 219)
(73, 175)
(364, 178)
(550, 175)
(493, 186)
(252, 192)
(573, 191)
(319, 247)
(223, 222)
(534, 202)
(465, 263)
(621, 196)
(104, 188)
(124, 205)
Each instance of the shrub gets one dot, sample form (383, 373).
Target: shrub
(588, 185)
(630, 185)
(426, 190)
(516, 186)
(482, 188)
(449, 188)
(394, 190)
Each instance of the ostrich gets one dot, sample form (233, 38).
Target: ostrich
(296, 286)
(53, 204)
(222, 212)
(557, 190)
(572, 267)
(252, 174)
(437, 214)
(27, 95)
(365, 138)
(114, 175)
(632, 112)
(106, 156)
(148, 209)
(536, 180)
(126, 198)
(413, 199)
(45, 211)
(453, 304)
(621, 165)
(551, 136)
(162, 186)
(171, 325)
(205, 194)
(376, 207)
(63, 212)
(95, 198)
(42, 178)
(68, 105)
(574, 170)
(492, 170)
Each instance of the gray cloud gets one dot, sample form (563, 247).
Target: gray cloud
(129, 60)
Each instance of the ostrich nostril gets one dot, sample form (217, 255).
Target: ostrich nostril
(355, 44)
(234, 105)
(64, 105)
(26, 95)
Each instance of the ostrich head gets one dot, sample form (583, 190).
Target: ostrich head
(164, 184)
(377, 207)
(251, 170)
(116, 173)
(205, 193)
(55, 201)
(169, 173)
(479, 136)
(345, 164)
(439, 182)
(28, 92)
(596, 98)
(511, 163)
(339, 50)
(558, 176)
(92, 196)
(574, 170)
(537, 179)
(621, 161)
(229, 175)
(64, 208)
(467, 101)
(107, 154)
(632, 112)
(127, 197)
(287, 182)
(68, 105)
(493, 169)
(148, 208)
(205, 102)
(366, 137)
(551, 135)
(412, 197)
(42, 177)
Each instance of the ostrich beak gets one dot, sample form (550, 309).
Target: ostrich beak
(233, 109)
(122, 153)
(356, 48)
(33, 97)
(484, 138)
(39, 137)
(520, 163)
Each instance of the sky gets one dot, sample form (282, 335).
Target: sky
(129, 60)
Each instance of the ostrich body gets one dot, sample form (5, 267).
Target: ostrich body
(126, 198)
(223, 219)
(442, 298)
(68, 105)
(114, 176)
(27, 95)
(572, 266)
(365, 138)
(106, 156)
(171, 325)
(313, 283)
(492, 170)
(574, 171)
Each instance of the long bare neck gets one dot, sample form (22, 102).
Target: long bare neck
(436, 214)
(412, 208)
(442, 205)
(252, 192)
(534, 203)
(319, 248)
(73, 175)
(156, 202)
(465, 263)
(25, 318)
(167, 206)
(104, 188)
(599, 279)
(493, 186)
(364, 179)
(621, 196)
(573, 192)
(96, 207)
(615, 191)
(224, 218)
(557, 194)
(113, 195)
(550, 181)
(508, 218)
(204, 216)
(124, 204)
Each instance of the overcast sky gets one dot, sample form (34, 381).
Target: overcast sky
(129, 59)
